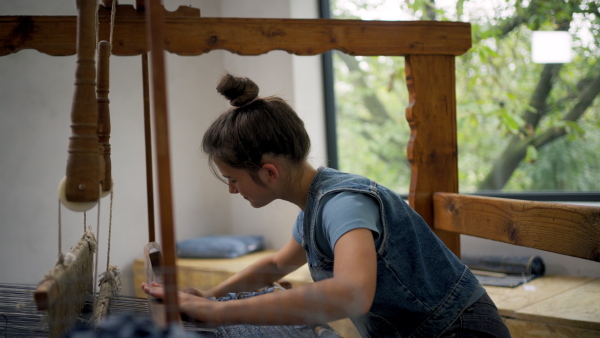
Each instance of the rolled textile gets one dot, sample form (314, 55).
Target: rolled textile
(507, 271)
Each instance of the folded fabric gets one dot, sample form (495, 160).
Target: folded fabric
(507, 271)
(213, 246)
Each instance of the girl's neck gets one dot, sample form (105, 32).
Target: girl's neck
(299, 185)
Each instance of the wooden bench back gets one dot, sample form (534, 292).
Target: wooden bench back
(572, 230)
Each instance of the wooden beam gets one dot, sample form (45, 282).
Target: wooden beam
(432, 148)
(567, 229)
(186, 33)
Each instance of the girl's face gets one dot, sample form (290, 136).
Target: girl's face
(240, 182)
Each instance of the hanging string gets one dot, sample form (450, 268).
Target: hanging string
(112, 192)
(113, 12)
(84, 221)
(97, 27)
(112, 22)
(59, 233)
(97, 252)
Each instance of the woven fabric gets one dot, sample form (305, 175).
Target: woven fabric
(266, 331)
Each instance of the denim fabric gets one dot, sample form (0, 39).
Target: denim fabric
(479, 320)
(422, 287)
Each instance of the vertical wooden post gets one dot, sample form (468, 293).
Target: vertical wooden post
(432, 149)
(155, 30)
(148, 148)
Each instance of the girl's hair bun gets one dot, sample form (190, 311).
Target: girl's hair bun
(238, 90)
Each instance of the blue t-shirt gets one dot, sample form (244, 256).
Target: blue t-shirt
(339, 213)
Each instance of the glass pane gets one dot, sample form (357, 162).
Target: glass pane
(522, 125)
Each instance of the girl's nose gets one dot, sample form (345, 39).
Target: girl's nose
(232, 189)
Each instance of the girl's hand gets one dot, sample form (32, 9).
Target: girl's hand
(153, 289)
(191, 291)
(191, 304)
(195, 292)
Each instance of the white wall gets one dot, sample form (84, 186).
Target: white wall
(294, 79)
(36, 91)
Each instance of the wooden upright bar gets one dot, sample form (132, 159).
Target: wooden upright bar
(154, 17)
(148, 149)
(432, 148)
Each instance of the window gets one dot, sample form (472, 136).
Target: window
(523, 127)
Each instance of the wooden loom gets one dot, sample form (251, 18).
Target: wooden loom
(429, 49)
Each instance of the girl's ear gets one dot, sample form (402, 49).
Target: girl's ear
(270, 172)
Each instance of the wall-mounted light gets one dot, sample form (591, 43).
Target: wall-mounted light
(551, 47)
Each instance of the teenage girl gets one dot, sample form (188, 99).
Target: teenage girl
(371, 256)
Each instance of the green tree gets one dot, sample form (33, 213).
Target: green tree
(515, 117)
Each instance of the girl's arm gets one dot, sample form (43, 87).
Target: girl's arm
(349, 293)
(262, 272)
(257, 275)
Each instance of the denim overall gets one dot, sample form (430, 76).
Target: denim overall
(422, 287)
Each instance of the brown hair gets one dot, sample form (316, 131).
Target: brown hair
(254, 127)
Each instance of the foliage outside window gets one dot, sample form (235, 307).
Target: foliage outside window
(522, 126)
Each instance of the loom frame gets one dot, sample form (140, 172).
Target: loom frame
(430, 49)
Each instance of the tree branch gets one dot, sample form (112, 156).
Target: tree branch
(371, 101)
(514, 153)
(539, 99)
